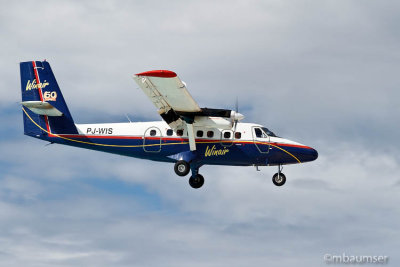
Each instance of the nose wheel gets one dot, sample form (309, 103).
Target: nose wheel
(279, 178)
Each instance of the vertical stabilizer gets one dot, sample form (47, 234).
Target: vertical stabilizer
(40, 90)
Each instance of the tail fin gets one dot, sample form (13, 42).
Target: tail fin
(44, 109)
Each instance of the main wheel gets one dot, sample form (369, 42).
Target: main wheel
(196, 181)
(279, 179)
(182, 168)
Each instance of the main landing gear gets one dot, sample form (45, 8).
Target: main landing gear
(196, 181)
(279, 178)
(182, 168)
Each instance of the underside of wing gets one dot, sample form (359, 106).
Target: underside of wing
(168, 93)
(166, 90)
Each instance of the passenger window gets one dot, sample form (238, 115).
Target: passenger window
(179, 132)
(227, 135)
(238, 135)
(170, 132)
(258, 132)
(200, 133)
(153, 132)
(210, 134)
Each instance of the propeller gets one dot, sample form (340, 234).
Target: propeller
(235, 115)
(236, 111)
(237, 104)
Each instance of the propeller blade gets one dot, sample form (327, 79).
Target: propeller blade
(237, 105)
(235, 121)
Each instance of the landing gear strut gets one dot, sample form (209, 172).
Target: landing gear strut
(279, 178)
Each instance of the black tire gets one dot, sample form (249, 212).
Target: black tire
(196, 181)
(182, 168)
(279, 180)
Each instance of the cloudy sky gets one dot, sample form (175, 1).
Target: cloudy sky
(323, 73)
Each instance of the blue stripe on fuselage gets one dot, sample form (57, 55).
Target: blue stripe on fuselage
(211, 152)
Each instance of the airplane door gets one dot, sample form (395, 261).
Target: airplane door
(152, 140)
(261, 140)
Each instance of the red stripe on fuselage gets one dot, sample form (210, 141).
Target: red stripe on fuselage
(290, 145)
(133, 137)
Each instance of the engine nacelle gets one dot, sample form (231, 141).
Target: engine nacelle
(236, 116)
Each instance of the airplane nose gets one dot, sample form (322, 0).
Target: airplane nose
(308, 154)
(314, 154)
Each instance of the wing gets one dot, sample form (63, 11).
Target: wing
(174, 103)
(166, 91)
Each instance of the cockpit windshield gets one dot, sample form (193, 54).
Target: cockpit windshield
(268, 132)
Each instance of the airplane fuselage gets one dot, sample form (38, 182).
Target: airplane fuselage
(157, 141)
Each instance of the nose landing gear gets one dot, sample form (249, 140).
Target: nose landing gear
(279, 178)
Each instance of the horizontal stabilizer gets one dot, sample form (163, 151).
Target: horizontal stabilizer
(42, 108)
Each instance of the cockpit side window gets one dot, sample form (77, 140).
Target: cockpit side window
(268, 132)
(263, 132)
(258, 132)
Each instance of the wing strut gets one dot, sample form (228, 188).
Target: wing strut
(192, 141)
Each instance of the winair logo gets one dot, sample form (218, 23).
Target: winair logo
(32, 85)
(215, 152)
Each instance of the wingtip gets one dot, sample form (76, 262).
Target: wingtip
(158, 73)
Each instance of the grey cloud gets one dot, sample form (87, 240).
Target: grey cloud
(324, 74)
(238, 217)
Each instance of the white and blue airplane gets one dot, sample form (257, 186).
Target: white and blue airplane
(188, 136)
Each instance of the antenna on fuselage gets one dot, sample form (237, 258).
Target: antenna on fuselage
(126, 115)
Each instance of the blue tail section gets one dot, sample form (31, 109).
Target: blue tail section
(38, 84)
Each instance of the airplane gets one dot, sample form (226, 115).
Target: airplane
(188, 136)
